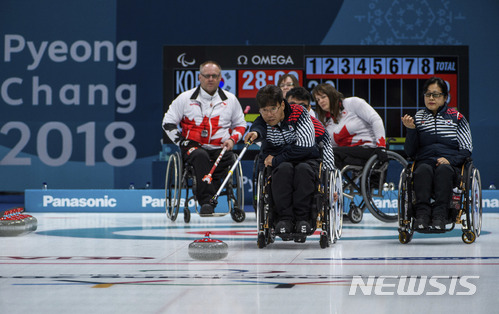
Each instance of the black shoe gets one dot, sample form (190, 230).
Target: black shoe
(207, 209)
(300, 239)
(438, 224)
(303, 227)
(421, 223)
(284, 226)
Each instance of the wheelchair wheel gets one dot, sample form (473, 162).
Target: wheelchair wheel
(378, 185)
(336, 187)
(255, 180)
(235, 196)
(324, 241)
(188, 184)
(352, 192)
(173, 185)
(468, 236)
(326, 209)
(405, 237)
(263, 220)
(187, 215)
(261, 241)
(332, 211)
(474, 207)
(260, 214)
(405, 219)
(355, 213)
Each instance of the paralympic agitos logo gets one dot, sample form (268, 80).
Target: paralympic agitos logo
(183, 62)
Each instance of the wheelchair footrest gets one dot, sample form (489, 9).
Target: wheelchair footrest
(297, 237)
(432, 230)
(213, 215)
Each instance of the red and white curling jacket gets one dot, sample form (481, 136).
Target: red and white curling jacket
(359, 125)
(208, 120)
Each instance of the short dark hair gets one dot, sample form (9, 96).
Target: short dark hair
(299, 93)
(440, 82)
(269, 95)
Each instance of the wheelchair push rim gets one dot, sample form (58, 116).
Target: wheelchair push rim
(405, 229)
(378, 185)
(336, 186)
(235, 195)
(262, 213)
(172, 186)
(474, 207)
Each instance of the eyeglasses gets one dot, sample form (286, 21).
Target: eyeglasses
(434, 95)
(208, 76)
(269, 110)
(286, 85)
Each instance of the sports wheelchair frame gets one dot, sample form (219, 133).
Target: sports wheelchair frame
(180, 176)
(468, 212)
(373, 186)
(329, 209)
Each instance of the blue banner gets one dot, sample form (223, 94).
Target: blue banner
(149, 201)
(105, 201)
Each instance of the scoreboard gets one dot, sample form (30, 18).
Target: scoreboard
(389, 78)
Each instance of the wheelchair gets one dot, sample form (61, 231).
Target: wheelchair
(180, 177)
(328, 211)
(465, 207)
(373, 186)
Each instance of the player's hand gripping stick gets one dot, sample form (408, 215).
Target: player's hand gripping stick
(208, 178)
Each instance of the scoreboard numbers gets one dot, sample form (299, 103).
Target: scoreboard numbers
(325, 66)
(250, 81)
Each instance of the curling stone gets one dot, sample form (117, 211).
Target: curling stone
(31, 222)
(208, 249)
(13, 223)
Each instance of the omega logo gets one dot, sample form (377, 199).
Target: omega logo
(267, 60)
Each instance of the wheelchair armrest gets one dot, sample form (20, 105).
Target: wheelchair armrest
(321, 149)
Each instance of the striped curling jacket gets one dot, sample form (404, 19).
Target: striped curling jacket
(446, 134)
(295, 138)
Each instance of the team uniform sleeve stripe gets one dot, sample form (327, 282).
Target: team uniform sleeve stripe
(464, 135)
(306, 131)
(328, 158)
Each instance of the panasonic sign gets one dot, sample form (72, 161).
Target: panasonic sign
(106, 201)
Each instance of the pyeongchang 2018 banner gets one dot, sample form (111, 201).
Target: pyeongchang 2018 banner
(69, 99)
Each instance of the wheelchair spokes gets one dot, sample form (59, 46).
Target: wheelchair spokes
(181, 179)
(379, 186)
(470, 206)
(172, 186)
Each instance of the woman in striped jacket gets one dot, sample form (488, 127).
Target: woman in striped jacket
(439, 139)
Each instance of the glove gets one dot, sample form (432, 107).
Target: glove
(381, 153)
(188, 146)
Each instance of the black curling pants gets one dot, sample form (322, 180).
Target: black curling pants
(433, 182)
(352, 155)
(202, 160)
(293, 187)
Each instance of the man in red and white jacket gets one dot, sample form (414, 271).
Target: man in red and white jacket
(209, 119)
